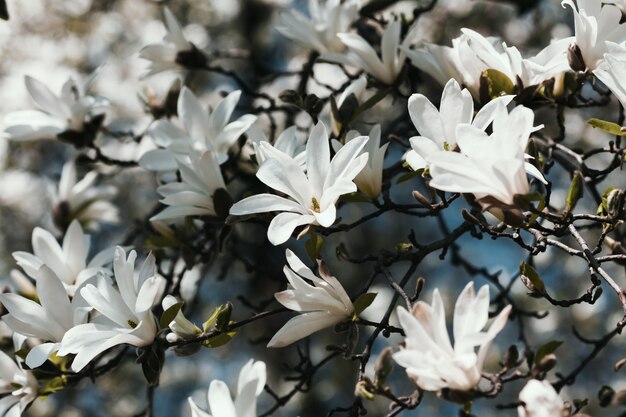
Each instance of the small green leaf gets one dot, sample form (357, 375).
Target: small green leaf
(546, 349)
(609, 127)
(364, 301)
(528, 273)
(54, 385)
(575, 192)
(314, 246)
(493, 84)
(220, 339)
(409, 176)
(211, 320)
(603, 208)
(223, 316)
(169, 315)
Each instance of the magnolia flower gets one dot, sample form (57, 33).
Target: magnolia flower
(18, 387)
(250, 385)
(312, 194)
(361, 54)
(174, 53)
(196, 193)
(612, 72)
(181, 327)
(67, 116)
(47, 320)
(83, 200)
(437, 128)
(428, 355)
(598, 28)
(203, 131)
(539, 399)
(323, 304)
(370, 179)
(126, 316)
(288, 142)
(320, 31)
(67, 261)
(488, 165)
(471, 54)
(347, 104)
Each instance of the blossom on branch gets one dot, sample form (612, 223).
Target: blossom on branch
(67, 261)
(250, 385)
(204, 130)
(322, 305)
(125, 311)
(437, 128)
(428, 355)
(312, 194)
(319, 32)
(539, 399)
(362, 55)
(47, 320)
(201, 191)
(18, 387)
(73, 116)
(174, 53)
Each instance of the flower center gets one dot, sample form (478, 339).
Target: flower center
(315, 205)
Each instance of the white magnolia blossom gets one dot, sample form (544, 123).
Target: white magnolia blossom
(83, 200)
(428, 355)
(250, 385)
(18, 387)
(67, 113)
(181, 327)
(164, 56)
(437, 128)
(370, 179)
(288, 142)
(319, 32)
(471, 54)
(598, 29)
(488, 165)
(194, 195)
(540, 399)
(67, 261)
(322, 305)
(612, 71)
(312, 194)
(204, 130)
(125, 311)
(47, 320)
(362, 55)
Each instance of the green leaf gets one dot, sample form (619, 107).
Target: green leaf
(223, 316)
(609, 127)
(169, 315)
(528, 272)
(211, 320)
(54, 385)
(220, 339)
(493, 84)
(314, 246)
(575, 192)
(603, 208)
(364, 301)
(546, 349)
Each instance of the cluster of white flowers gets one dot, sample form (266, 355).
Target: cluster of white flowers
(81, 308)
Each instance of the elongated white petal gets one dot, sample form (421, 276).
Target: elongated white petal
(302, 326)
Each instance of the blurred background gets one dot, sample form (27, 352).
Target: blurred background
(52, 40)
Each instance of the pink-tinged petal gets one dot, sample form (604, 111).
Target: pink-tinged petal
(220, 402)
(282, 226)
(302, 326)
(471, 311)
(496, 327)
